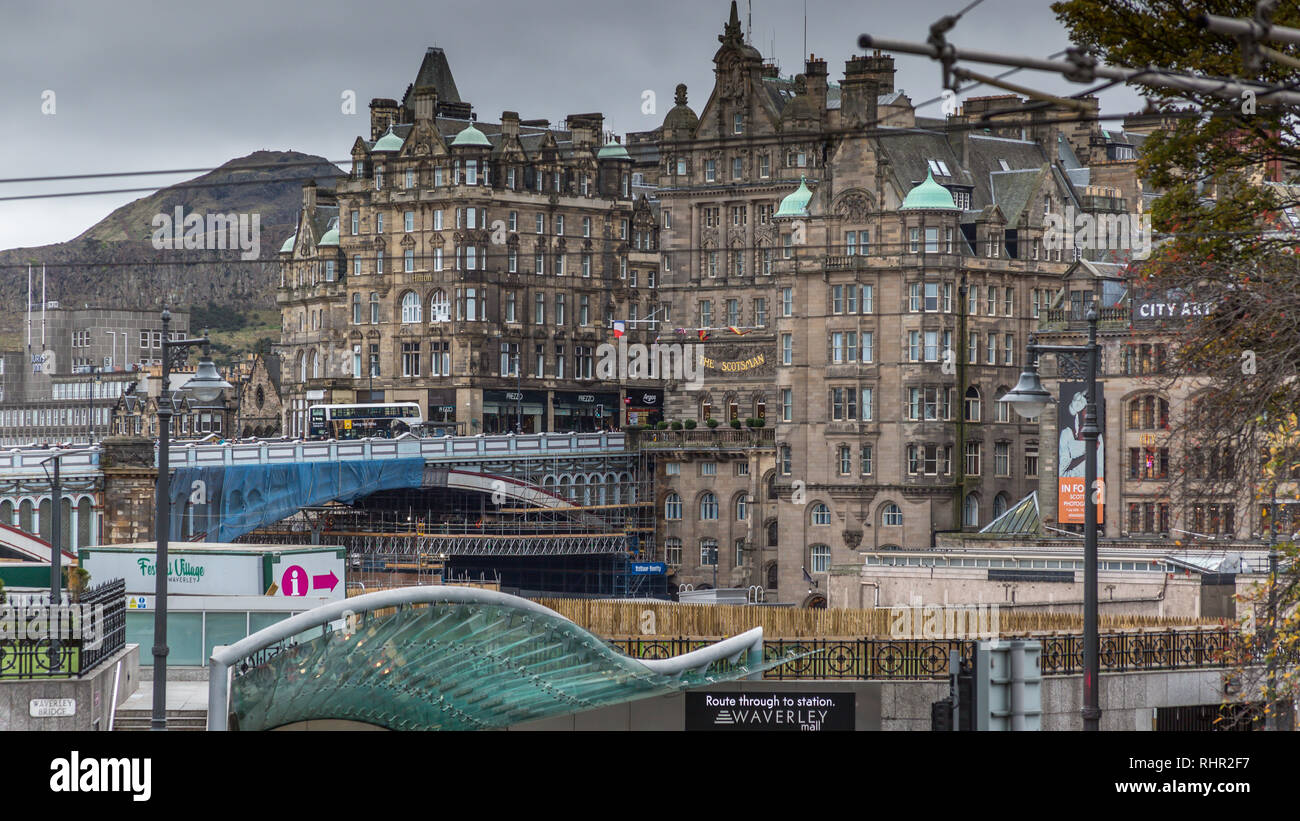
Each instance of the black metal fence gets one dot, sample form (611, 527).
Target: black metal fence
(68, 642)
(928, 659)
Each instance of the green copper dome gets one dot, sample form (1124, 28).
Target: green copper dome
(331, 237)
(796, 204)
(287, 248)
(388, 142)
(929, 195)
(612, 151)
(471, 136)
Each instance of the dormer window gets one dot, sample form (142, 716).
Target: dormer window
(939, 168)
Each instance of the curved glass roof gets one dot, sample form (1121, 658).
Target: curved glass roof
(462, 665)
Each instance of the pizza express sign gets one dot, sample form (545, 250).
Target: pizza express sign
(793, 712)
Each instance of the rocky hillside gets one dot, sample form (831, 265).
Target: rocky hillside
(115, 264)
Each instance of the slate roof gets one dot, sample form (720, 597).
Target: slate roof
(434, 71)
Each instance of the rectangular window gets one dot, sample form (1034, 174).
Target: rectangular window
(787, 349)
(867, 413)
(1008, 349)
(356, 222)
(437, 259)
(437, 219)
(539, 309)
(972, 458)
(868, 347)
(914, 297)
(764, 166)
(440, 359)
(559, 225)
(760, 312)
(787, 405)
(931, 297)
(710, 170)
(914, 240)
(408, 221)
(973, 348)
(410, 359)
(913, 346)
(1002, 459)
(559, 361)
(931, 346)
(408, 260)
(992, 349)
(932, 240)
(559, 309)
(583, 309)
(787, 302)
(1031, 461)
(510, 306)
(737, 168)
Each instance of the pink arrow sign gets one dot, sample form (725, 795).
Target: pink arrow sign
(329, 581)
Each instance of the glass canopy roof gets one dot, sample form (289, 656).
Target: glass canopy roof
(457, 666)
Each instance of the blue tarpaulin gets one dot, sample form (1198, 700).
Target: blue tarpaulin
(220, 503)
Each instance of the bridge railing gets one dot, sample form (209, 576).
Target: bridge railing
(448, 447)
(86, 460)
(869, 658)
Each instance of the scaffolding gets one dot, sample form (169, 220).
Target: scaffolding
(602, 516)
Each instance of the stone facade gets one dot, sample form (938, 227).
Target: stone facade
(857, 329)
(473, 268)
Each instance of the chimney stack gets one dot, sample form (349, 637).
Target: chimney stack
(509, 125)
(858, 94)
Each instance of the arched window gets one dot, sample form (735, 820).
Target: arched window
(971, 510)
(374, 308)
(821, 514)
(315, 365)
(972, 404)
(771, 576)
(302, 367)
(673, 507)
(708, 507)
(771, 534)
(891, 515)
(1000, 503)
(410, 307)
(356, 309)
(706, 409)
(742, 507)
(819, 557)
(439, 307)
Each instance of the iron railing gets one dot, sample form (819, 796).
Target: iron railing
(872, 659)
(23, 657)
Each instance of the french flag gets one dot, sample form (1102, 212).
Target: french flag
(620, 328)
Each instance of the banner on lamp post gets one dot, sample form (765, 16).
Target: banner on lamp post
(1071, 495)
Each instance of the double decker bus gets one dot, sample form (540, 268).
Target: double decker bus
(360, 421)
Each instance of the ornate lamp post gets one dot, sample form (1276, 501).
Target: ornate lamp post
(205, 386)
(1029, 399)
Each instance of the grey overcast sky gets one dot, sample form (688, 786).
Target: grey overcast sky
(146, 84)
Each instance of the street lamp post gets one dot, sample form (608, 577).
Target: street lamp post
(206, 385)
(1029, 399)
(519, 391)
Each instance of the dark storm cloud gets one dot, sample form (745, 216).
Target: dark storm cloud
(149, 85)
